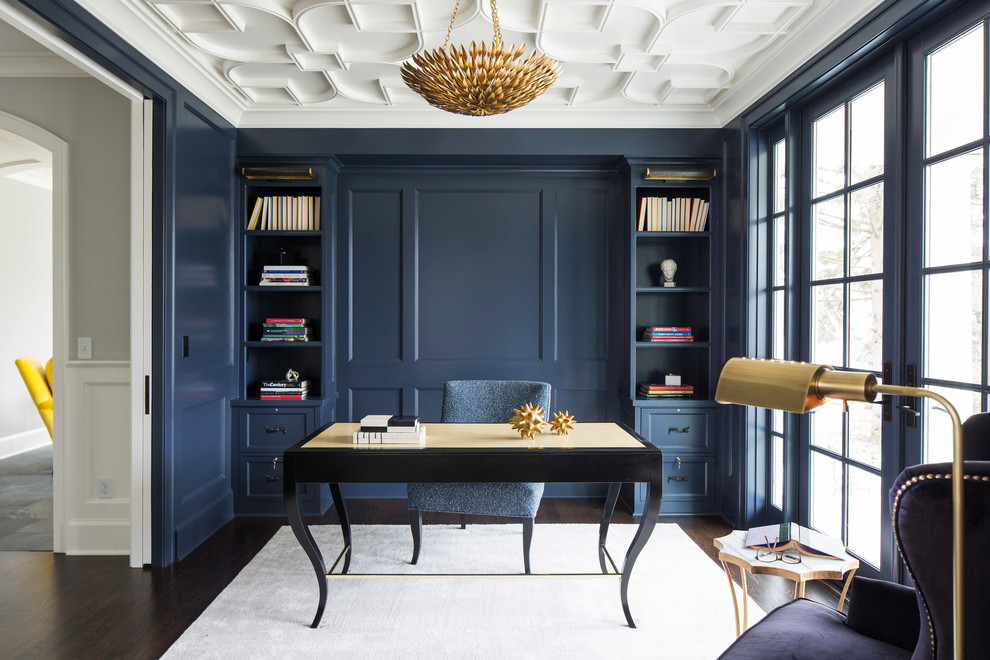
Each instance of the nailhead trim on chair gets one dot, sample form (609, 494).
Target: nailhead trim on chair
(893, 519)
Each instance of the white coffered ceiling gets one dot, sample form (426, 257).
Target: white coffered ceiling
(335, 63)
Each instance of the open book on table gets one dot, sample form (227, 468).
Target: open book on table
(791, 535)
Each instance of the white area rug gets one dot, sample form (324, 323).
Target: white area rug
(679, 598)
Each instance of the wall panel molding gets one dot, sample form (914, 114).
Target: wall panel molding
(97, 446)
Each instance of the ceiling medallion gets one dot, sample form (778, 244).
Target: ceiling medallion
(481, 80)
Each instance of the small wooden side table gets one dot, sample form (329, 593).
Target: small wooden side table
(732, 550)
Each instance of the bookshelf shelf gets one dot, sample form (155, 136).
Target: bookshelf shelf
(685, 428)
(257, 288)
(263, 428)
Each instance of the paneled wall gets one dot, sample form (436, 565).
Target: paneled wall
(456, 274)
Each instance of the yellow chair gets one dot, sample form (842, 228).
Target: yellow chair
(39, 384)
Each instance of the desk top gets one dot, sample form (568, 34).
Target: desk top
(590, 435)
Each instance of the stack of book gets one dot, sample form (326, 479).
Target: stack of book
(658, 391)
(285, 276)
(286, 213)
(390, 429)
(667, 333)
(672, 214)
(284, 389)
(285, 329)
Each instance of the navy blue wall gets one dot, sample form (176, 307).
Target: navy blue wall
(459, 274)
(193, 293)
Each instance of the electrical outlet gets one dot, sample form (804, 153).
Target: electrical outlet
(85, 348)
(105, 486)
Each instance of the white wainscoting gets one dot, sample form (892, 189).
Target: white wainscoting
(97, 446)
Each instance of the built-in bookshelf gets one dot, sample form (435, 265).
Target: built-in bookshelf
(286, 323)
(672, 325)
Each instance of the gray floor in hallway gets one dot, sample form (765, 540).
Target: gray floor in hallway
(26, 501)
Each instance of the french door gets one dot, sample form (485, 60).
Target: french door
(879, 260)
(948, 263)
(848, 297)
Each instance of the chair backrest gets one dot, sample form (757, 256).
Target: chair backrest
(37, 385)
(490, 401)
(921, 508)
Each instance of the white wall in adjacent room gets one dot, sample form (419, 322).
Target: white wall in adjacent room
(26, 298)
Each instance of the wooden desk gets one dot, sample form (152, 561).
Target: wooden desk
(732, 549)
(591, 453)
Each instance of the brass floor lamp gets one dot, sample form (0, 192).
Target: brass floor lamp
(799, 387)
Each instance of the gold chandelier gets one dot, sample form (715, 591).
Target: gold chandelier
(481, 80)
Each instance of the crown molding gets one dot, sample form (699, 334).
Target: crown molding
(769, 69)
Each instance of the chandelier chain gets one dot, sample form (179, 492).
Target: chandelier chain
(498, 30)
(451, 26)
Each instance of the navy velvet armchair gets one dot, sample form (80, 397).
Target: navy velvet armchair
(482, 402)
(887, 620)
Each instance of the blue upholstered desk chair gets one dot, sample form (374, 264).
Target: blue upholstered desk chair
(481, 402)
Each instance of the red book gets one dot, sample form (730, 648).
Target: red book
(662, 339)
(668, 388)
(282, 396)
(666, 328)
(274, 320)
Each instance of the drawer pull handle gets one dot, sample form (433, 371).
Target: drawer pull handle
(269, 429)
(272, 477)
(673, 478)
(674, 429)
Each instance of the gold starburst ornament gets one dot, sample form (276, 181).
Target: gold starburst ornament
(528, 420)
(485, 79)
(562, 423)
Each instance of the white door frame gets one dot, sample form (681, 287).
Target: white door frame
(140, 298)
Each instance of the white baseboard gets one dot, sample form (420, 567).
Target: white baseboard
(12, 445)
(98, 537)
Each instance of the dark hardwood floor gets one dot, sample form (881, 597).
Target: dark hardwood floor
(53, 606)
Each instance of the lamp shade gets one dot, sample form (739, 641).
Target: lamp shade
(796, 387)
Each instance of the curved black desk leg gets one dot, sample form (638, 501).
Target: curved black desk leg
(299, 528)
(345, 525)
(610, 500)
(646, 525)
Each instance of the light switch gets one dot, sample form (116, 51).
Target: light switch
(85, 348)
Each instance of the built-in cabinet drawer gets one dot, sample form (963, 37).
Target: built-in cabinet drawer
(677, 430)
(275, 428)
(262, 479)
(688, 487)
(687, 436)
(264, 431)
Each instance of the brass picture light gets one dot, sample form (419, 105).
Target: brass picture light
(800, 387)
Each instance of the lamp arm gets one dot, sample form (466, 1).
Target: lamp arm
(958, 593)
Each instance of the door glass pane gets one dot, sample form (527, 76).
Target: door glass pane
(954, 210)
(826, 495)
(830, 154)
(826, 427)
(866, 135)
(777, 476)
(866, 325)
(779, 251)
(778, 325)
(938, 424)
(954, 326)
(780, 176)
(829, 239)
(827, 324)
(865, 509)
(864, 433)
(955, 92)
(866, 231)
